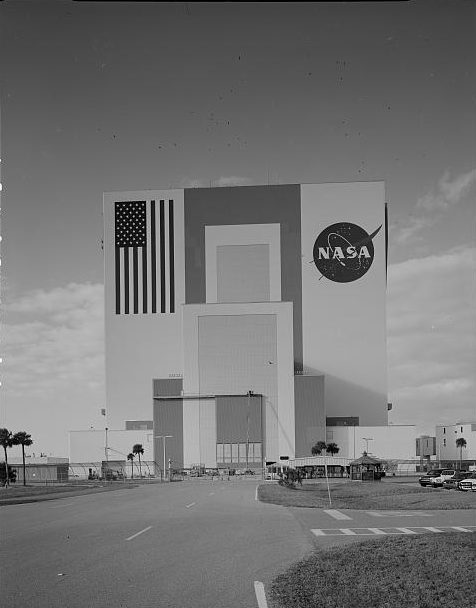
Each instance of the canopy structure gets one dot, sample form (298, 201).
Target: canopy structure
(366, 468)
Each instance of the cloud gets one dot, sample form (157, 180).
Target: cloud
(53, 359)
(448, 192)
(432, 338)
(412, 228)
(429, 208)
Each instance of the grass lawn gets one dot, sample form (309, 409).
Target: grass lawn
(366, 495)
(32, 492)
(427, 571)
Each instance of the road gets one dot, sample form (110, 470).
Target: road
(191, 544)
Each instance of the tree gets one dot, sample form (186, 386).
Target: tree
(461, 443)
(130, 457)
(332, 448)
(318, 447)
(138, 450)
(6, 441)
(22, 438)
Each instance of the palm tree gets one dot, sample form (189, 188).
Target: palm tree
(318, 447)
(332, 448)
(22, 438)
(138, 450)
(130, 457)
(6, 441)
(461, 443)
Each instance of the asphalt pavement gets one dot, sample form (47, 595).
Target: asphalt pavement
(191, 544)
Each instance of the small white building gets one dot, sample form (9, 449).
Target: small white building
(446, 436)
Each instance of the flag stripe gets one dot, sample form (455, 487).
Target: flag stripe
(171, 256)
(118, 280)
(162, 257)
(136, 279)
(144, 279)
(153, 262)
(126, 280)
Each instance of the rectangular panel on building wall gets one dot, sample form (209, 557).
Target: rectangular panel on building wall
(309, 413)
(238, 418)
(144, 284)
(208, 434)
(344, 296)
(243, 273)
(168, 420)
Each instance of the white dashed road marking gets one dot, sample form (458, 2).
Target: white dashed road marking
(190, 505)
(138, 533)
(336, 514)
(398, 514)
(389, 531)
(260, 595)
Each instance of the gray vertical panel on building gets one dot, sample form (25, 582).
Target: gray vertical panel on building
(232, 419)
(280, 204)
(243, 273)
(309, 412)
(168, 420)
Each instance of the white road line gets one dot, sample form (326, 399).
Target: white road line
(398, 514)
(377, 530)
(190, 505)
(260, 595)
(256, 493)
(138, 533)
(318, 532)
(460, 529)
(406, 531)
(211, 493)
(336, 514)
(348, 532)
(431, 529)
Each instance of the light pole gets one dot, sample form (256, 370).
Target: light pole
(250, 393)
(163, 437)
(367, 439)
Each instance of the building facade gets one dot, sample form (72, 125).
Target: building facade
(238, 318)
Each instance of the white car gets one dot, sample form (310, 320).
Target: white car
(468, 484)
(445, 474)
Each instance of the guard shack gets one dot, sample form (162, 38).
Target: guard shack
(367, 468)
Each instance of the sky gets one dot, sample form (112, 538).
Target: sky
(134, 96)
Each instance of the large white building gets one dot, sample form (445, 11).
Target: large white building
(239, 318)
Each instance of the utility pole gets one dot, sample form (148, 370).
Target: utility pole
(248, 428)
(367, 439)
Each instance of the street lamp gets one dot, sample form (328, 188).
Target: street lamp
(163, 437)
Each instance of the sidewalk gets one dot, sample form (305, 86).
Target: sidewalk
(27, 494)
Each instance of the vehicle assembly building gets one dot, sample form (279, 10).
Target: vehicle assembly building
(239, 318)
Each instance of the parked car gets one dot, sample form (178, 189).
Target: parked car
(453, 482)
(468, 484)
(425, 480)
(445, 474)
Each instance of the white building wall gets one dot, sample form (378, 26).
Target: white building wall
(279, 407)
(396, 442)
(140, 347)
(446, 436)
(343, 324)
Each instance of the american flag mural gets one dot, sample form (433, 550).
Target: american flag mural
(144, 257)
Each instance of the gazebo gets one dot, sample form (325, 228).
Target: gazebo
(367, 468)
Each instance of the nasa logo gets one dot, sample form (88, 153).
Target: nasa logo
(344, 252)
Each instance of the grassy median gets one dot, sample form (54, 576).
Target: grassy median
(366, 495)
(427, 571)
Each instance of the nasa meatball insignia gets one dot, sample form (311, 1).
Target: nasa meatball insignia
(344, 252)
